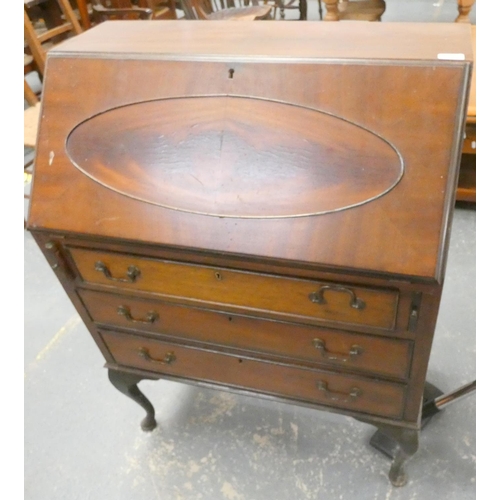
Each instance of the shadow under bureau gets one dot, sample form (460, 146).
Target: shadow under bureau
(228, 207)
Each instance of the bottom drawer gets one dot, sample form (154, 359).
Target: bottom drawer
(348, 392)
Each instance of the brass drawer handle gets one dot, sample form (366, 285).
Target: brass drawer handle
(341, 397)
(150, 318)
(355, 350)
(168, 359)
(133, 273)
(319, 296)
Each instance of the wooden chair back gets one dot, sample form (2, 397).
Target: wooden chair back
(37, 40)
(223, 9)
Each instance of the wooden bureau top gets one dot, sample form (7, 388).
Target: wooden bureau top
(328, 144)
(192, 40)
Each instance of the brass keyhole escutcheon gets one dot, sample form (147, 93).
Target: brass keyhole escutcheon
(218, 276)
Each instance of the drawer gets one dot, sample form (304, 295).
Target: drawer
(352, 393)
(299, 298)
(331, 348)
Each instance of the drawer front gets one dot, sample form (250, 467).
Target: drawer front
(331, 302)
(336, 390)
(324, 346)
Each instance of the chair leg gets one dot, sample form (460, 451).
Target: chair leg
(303, 10)
(29, 95)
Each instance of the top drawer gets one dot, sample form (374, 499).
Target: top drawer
(298, 298)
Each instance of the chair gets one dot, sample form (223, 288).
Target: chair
(129, 9)
(213, 10)
(40, 40)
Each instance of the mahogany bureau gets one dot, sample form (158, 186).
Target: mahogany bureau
(257, 207)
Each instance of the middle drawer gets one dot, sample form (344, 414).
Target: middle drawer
(322, 346)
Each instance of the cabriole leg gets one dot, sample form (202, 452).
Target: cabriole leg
(126, 383)
(408, 446)
(400, 445)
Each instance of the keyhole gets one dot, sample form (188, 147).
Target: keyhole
(218, 276)
(231, 73)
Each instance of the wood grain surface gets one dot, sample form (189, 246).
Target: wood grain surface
(223, 156)
(305, 40)
(259, 292)
(416, 103)
(376, 397)
(244, 201)
(377, 355)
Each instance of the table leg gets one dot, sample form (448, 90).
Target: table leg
(303, 10)
(332, 10)
(464, 8)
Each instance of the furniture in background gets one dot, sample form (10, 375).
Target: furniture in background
(84, 7)
(358, 10)
(211, 238)
(336, 12)
(213, 10)
(61, 23)
(300, 5)
(464, 8)
(30, 97)
(361, 10)
(466, 189)
(106, 10)
(290, 5)
(128, 9)
(162, 9)
(29, 62)
(31, 120)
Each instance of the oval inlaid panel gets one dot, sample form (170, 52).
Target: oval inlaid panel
(235, 157)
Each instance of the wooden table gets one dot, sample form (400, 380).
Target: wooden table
(223, 221)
